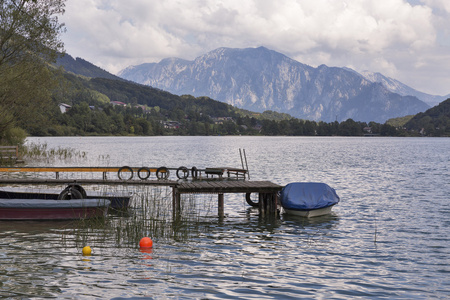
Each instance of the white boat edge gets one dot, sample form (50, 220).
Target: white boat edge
(310, 213)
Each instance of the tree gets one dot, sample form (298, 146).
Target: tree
(30, 28)
(350, 128)
(29, 39)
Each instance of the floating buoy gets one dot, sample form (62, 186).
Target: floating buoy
(146, 242)
(87, 251)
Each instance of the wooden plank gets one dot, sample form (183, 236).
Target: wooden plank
(229, 187)
(87, 181)
(9, 152)
(64, 169)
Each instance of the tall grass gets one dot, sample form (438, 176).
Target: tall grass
(149, 214)
(41, 152)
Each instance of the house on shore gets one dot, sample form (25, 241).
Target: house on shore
(64, 107)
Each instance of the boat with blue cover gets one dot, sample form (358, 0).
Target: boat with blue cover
(308, 199)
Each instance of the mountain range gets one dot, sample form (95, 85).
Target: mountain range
(259, 79)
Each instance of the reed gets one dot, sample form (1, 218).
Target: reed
(149, 214)
(39, 152)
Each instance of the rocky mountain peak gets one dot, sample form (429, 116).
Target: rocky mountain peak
(260, 79)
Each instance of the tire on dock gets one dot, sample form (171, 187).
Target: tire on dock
(249, 200)
(162, 173)
(144, 170)
(182, 173)
(72, 192)
(194, 172)
(125, 169)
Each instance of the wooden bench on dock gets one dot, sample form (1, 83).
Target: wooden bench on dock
(232, 173)
(9, 154)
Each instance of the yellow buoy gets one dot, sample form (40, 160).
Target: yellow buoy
(87, 251)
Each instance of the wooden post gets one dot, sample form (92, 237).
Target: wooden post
(262, 204)
(176, 203)
(268, 204)
(273, 204)
(221, 206)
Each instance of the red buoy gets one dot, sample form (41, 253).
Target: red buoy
(146, 242)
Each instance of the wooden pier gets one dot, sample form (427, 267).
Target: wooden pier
(218, 181)
(266, 190)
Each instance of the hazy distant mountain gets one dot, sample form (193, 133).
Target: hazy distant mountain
(260, 79)
(400, 88)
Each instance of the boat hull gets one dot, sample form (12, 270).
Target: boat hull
(38, 209)
(310, 213)
(118, 201)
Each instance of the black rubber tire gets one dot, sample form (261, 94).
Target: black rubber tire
(250, 201)
(184, 171)
(70, 193)
(162, 173)
(125, 168)
(80, 189)
(194, 172)
(147, 170)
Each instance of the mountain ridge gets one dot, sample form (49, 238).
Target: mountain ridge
(261, 79)
(82, 67)
(402, 89)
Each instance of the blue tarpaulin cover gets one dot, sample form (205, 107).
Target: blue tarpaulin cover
(308, 196)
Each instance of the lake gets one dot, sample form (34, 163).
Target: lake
(388, 238)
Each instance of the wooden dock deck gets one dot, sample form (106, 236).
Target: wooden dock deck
(267, 191)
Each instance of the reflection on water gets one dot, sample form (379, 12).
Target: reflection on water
(387, 238)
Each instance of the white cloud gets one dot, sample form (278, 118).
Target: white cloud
(393, 37)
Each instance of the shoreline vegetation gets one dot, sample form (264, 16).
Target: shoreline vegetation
(114, 120)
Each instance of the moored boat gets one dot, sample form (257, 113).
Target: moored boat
(308, 199)
(38, 209)
(118, 200)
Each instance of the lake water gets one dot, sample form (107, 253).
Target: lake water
(388, 238)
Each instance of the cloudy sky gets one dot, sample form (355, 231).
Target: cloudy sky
(408, 40)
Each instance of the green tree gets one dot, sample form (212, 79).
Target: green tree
(388, 130)
(29, 38)
(350, 128)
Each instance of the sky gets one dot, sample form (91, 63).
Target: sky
(408, 40)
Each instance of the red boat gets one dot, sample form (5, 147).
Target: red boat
(38, 209)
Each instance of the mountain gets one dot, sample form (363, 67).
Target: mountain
(82, 67)
(104, 86)
(396, 86)
(260, 79)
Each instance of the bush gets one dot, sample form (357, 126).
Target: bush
(13, 136)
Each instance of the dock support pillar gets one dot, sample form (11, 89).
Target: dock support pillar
(262, 204)
(176, 203)
(268, 204)
(221, 206)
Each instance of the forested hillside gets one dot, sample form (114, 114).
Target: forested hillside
(100, 106)
(433, 122)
